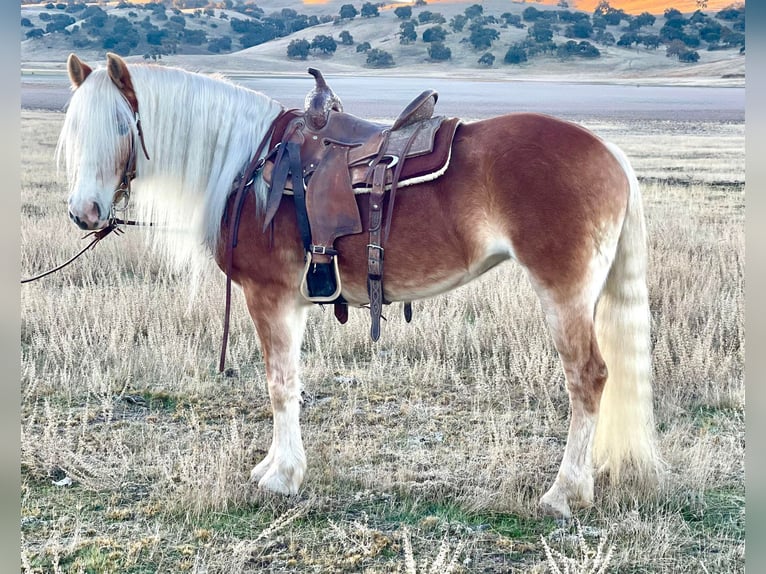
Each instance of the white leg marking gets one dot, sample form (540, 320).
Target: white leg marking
(283, 468)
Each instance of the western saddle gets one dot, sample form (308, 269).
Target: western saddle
(325, 156)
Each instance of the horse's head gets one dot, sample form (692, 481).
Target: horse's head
(98, 139)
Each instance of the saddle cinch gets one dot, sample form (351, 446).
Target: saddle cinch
(325, 157)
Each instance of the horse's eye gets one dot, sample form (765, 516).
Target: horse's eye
(122, 128)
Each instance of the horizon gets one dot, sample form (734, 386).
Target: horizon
(629, 6)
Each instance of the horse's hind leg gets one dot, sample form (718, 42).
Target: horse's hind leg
(573, 333)
(280, 320)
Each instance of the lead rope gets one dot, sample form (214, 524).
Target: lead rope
(98, 236)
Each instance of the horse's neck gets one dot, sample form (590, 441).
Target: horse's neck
(200, 133)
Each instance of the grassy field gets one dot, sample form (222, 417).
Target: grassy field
(427, 451)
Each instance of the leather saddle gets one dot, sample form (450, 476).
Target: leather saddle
(326, 156)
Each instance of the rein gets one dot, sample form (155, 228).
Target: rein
(248, 177)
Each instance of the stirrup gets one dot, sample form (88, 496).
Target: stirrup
(324, 297)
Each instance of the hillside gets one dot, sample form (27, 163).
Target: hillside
(554, 42)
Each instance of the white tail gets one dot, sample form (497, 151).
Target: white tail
(625, 433)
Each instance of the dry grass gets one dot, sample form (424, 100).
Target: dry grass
(428, 448)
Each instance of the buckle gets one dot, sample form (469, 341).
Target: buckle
(378, 247)
(323, 250)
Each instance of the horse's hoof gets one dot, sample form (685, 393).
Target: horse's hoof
(554, 503)
(260, 469)
(275, 481)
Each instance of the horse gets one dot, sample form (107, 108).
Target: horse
(547, 193)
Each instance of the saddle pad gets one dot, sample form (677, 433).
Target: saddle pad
(422, 168)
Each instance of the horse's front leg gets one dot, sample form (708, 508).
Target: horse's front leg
(280, 319)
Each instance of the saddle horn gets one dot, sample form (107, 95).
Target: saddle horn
(320, 102)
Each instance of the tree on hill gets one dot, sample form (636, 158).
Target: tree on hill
(473, 11)
(481, 38)
(427, 16)
(579, 29)
(377, 58)
(531, 14)
(458, 22)
(611, 15)
(651, 41)
(434, 34)
(438, 51)
(94, 17)
(487, 59)
(628, 39)
(194, 37)
(407, 33)
(731, 13)
(567, 16)
(363, 47)
(541, 32)
(605, 38)
(516, 54)
(511, 20)
(346, 38)
(643, 19)
(222, 44)
(369, 10)
(59, 22)
(689, 56)
(403, 12)
(348, 12)
(324, 44)
(298, 49)
(673, 14)
(582, 49)
(678, 48)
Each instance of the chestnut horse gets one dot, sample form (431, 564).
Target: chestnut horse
(547, 193)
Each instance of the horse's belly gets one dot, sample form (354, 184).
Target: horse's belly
(421, 283)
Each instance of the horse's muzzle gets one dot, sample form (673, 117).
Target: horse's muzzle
(90, 219)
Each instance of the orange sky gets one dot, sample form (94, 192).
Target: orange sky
(629, 6)
(651, 6)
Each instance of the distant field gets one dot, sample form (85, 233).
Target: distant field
(433, 444)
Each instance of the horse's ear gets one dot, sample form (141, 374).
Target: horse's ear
(118, 73)
(118, 70)
(78, 70)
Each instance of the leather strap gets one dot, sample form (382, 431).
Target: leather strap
(395, 182)
(408, 311)
(375, 249)
(341, 312)
(250, 172)
(281, 167)
(299, 193)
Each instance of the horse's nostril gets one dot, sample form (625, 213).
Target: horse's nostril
(81, 224)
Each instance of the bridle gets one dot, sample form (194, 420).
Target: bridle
(122, 192)
(120, 198)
